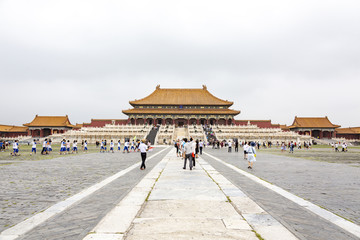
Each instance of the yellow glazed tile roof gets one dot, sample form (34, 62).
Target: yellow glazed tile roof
(312, 122)
(50, 121)
(169, 96)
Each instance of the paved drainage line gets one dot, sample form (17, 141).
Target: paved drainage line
(118, 222)
(34, 221)
(261, 222)
(325, 214)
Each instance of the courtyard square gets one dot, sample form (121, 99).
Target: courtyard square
(225, 203)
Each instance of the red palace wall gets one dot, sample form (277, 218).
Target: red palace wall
(13, 134)
(348, 136)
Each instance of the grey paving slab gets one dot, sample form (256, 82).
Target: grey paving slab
(312, 180)
(89, 169)
(188, 204)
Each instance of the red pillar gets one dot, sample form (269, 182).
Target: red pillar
(41, 132)
(197, 121)
(188, 122)
(173, 121)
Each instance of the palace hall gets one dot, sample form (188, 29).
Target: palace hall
(181, 107)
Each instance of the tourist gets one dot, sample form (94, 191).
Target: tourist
(176, 145)
(75, 149)
(236, 145)
(344, 147)
(299, 145)
(112, 146)
(143, 149)
(126, 147)
(2, 145)
(63, 147)
(193, 149)
(44, 149)
(245, 147)
(336, 147)
(68, 147)
(291, 147)
(197, 148)
(132, 146)
(201, 146)
(49, 148)
(105, 145)
(102, 148)
(283, 147)
(187, 152)
(85, 146)
(33, 148)
(15, 148)
(251, 155)
(183, 148)
(229, 146)
(119, 146)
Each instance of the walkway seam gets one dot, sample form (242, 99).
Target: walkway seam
(261, 221)
(32, 222)
(325, 214)
(117, 222)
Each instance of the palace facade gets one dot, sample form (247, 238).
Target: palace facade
(181, 107)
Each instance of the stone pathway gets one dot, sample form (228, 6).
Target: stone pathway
(75, 222)
(307, 179)
(184, 204)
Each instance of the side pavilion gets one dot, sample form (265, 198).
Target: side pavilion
(317, 127)
(43, 126)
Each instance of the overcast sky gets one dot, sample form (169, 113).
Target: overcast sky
(88, 59)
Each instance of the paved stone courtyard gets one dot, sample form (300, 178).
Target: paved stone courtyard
(30, 187)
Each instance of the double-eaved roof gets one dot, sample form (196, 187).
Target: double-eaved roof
(173, 96)
(50, 121)
(312, 122)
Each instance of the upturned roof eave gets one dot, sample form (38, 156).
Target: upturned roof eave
(133, 103)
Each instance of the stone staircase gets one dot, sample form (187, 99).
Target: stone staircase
(152, 135)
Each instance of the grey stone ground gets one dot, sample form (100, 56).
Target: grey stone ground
(335, 187)
(32, 186)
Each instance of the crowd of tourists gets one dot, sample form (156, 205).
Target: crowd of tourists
(335, 146)
(67, 147)
(189, 150)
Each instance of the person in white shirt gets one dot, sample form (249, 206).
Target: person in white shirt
(75, 147)
(188, 150)
(85, 146)
(143, 148)
(112, 146)
(68, 146)
(119, 145)
(102, 148)
(15, 148)
(44, 150)
(245, 147)
(126, 147)
(201, 146)
(33, 148)
(193, 149)
(251, 155)
(62, 147)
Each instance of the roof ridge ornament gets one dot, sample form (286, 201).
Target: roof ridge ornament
(204, 87)
(158, 86)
